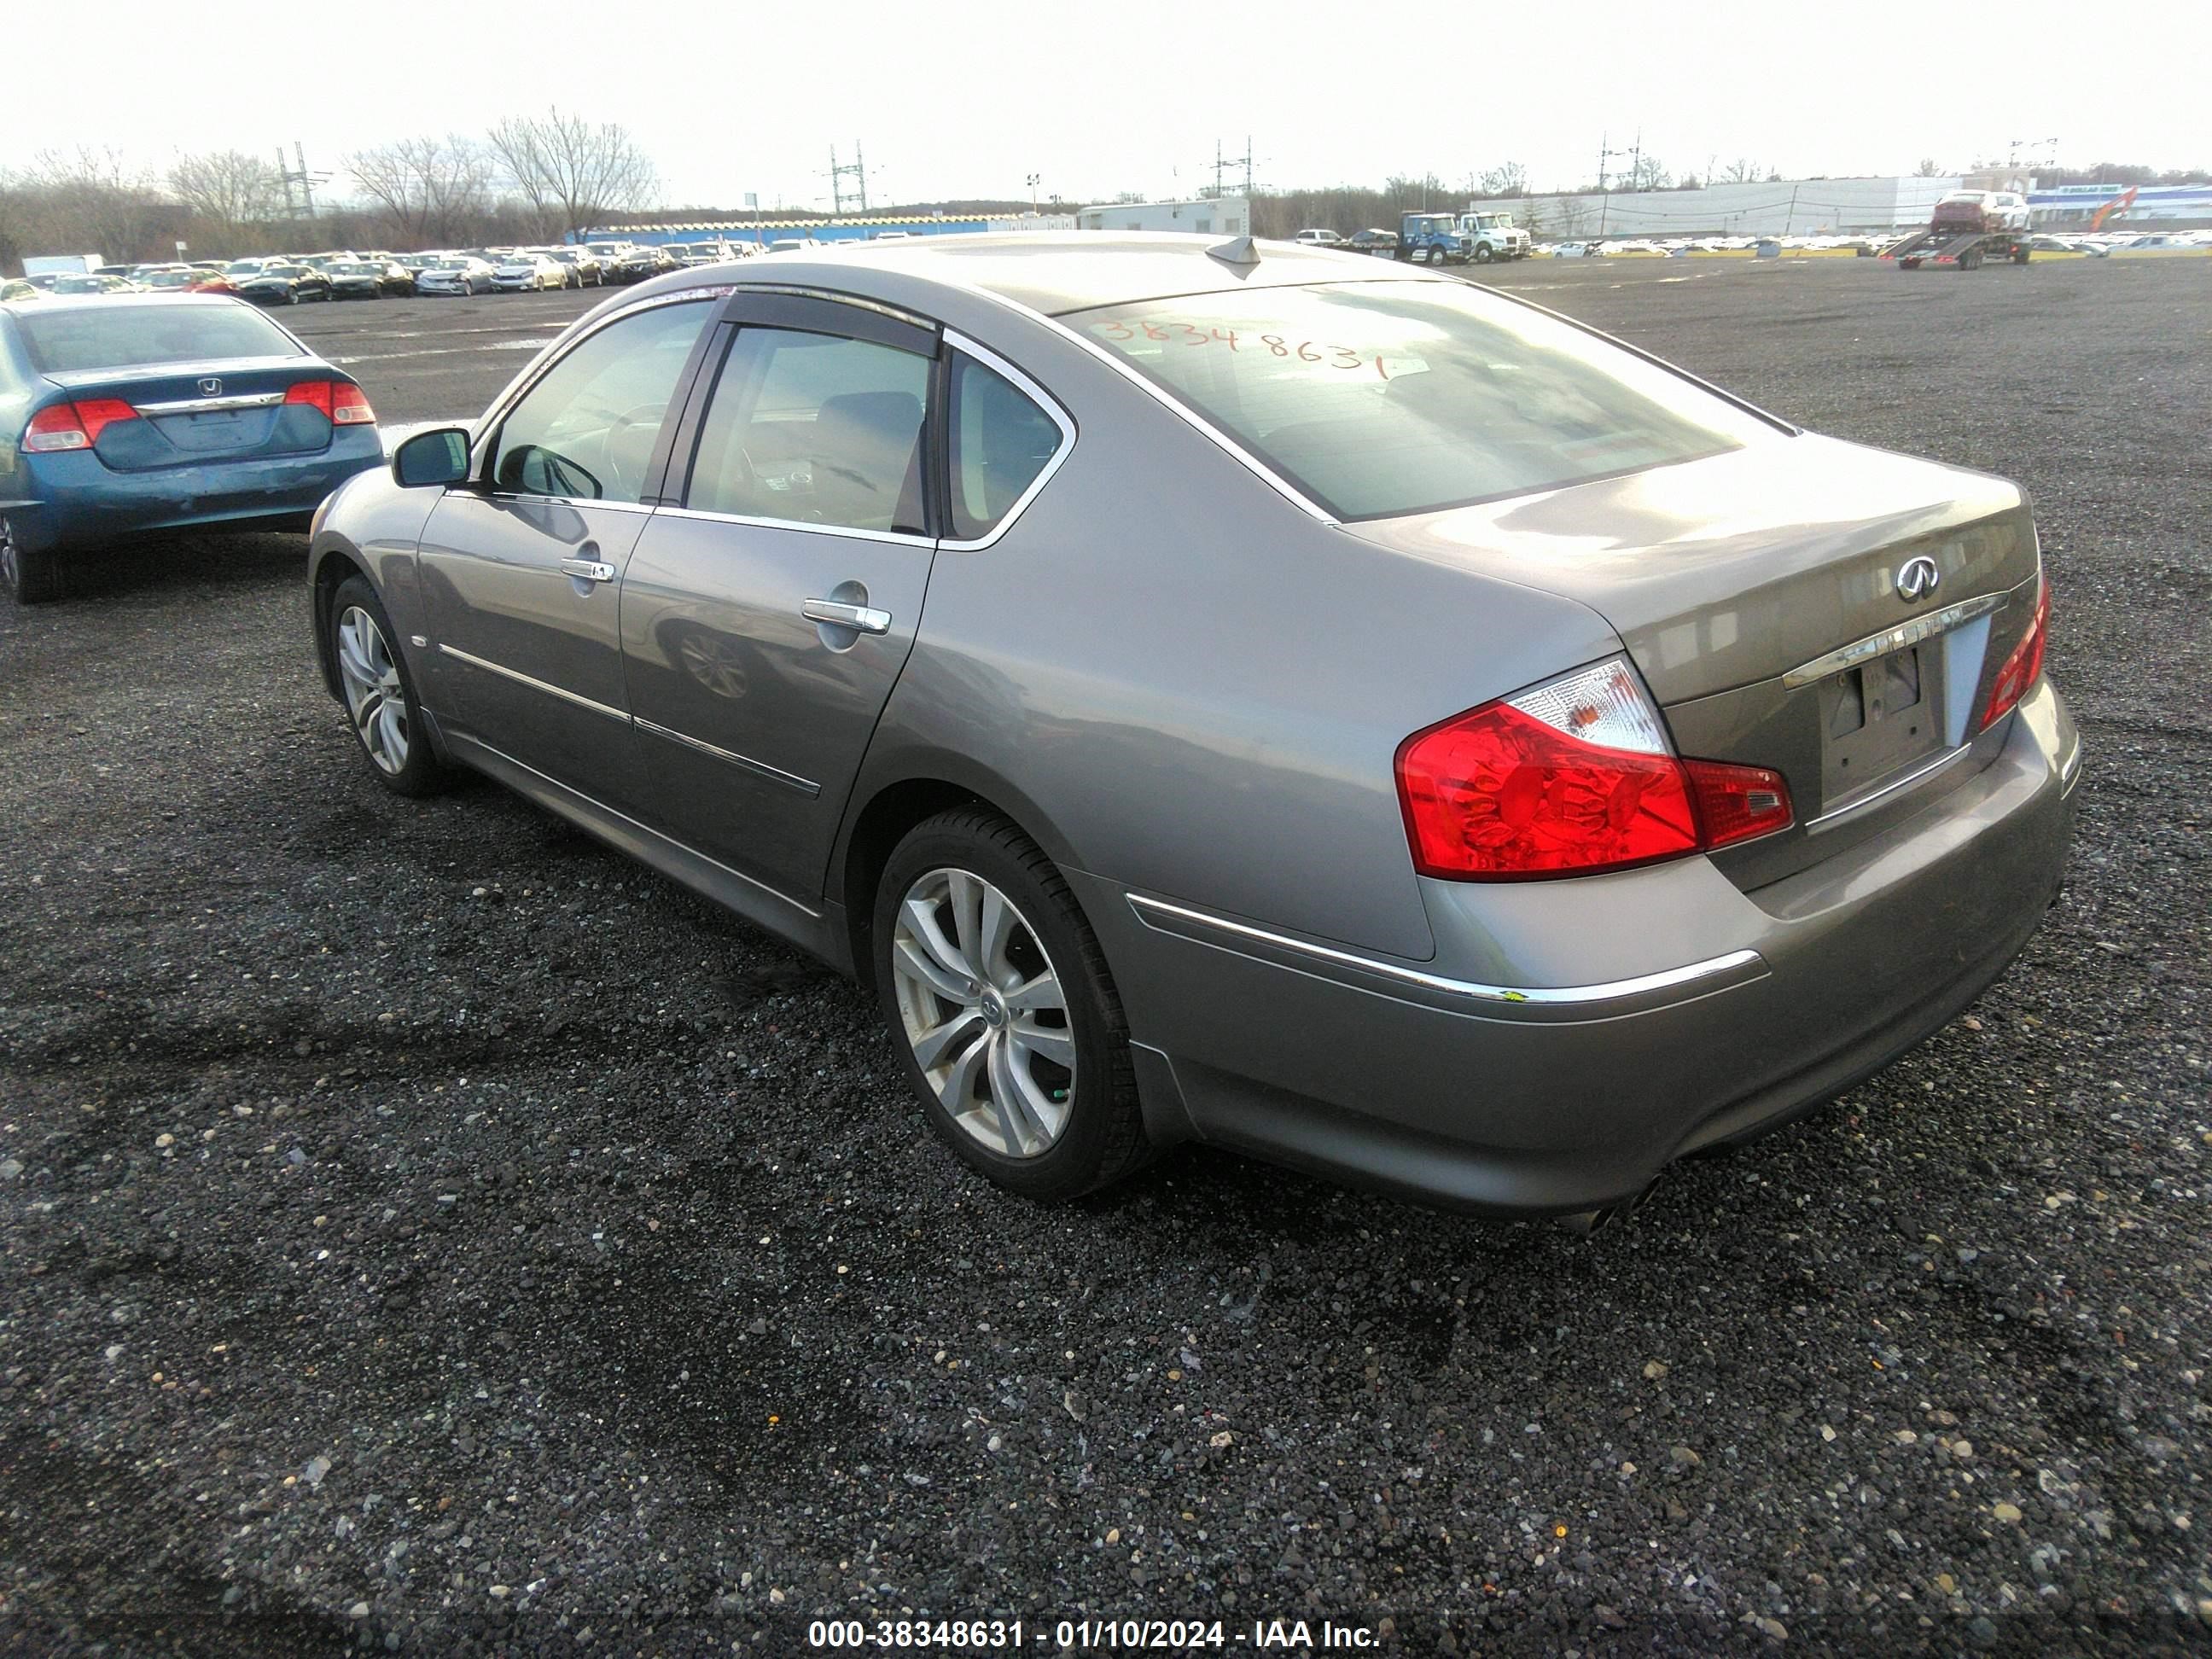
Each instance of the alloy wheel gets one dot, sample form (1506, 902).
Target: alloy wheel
(985, 1013)
(373, 695)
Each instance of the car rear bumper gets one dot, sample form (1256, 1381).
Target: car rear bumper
(73, 501)
(1509, 1093)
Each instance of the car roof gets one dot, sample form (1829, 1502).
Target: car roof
(1056, 272)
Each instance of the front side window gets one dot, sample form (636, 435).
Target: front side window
(815, 428)
(1000, 442)
(587, 430)
(1381, 398)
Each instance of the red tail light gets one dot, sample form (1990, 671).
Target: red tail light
(2024, 665)
(1569, 778)
(74, 426)
(341, 402)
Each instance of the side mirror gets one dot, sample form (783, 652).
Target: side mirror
(431, 457)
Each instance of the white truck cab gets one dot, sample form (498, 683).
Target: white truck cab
(1494, 235)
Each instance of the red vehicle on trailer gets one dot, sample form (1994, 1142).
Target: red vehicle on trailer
(1968, 228)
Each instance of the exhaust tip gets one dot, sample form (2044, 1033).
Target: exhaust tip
(1584, 1223)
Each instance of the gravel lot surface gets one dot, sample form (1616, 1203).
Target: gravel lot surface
(425, 1232)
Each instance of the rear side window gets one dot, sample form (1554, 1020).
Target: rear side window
(815, 428)
(1388, 398)
(76, 339)
(587, 429)
(1002, 440)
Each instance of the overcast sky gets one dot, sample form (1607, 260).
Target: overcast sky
(956, 100)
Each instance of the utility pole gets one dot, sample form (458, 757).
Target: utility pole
(856, 170)
(284, 176)
(1605, 154)
(1223, 163)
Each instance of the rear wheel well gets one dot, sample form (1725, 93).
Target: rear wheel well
(883, 824)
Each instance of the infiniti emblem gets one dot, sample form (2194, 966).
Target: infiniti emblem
(210, 387)
(1916, 577)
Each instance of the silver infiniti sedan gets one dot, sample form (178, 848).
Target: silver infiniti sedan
(1220, 691)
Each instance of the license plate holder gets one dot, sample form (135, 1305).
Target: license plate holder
(1879, 717)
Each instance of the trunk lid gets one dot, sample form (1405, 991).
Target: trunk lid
(191, 413)
(1737, 581)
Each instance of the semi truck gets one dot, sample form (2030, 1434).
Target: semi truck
(60, 264)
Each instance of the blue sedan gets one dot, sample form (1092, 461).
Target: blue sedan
(140, 412)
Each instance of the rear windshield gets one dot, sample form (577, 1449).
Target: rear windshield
(76, 339)
(1382, 399)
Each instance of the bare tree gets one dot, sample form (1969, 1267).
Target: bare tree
(1510, 179)
(229, 188)
(431, 187)
(92, 196)
(1742, 171)
(1648, 172)
(573, 173)
(1930, 167)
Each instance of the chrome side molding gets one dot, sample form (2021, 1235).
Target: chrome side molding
(1597, 1002)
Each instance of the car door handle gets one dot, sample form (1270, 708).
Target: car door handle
(838, 614)
(590, 570)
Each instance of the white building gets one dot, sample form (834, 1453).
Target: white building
(1783, 207)
(1226, 216)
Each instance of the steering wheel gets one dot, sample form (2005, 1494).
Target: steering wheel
(618, 437)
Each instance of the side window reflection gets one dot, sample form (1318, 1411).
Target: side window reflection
(816, 428)
(587, 431)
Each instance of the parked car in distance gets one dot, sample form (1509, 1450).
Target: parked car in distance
(69, 284)
(368, 279)
(1383, 243)
(153, 411)
(529, 271)
(188, 279)
(455, 274)
(1980, 209)
(1318, 238)
(17, 288)
(589, 271)
(1526, 872)
(283, 285)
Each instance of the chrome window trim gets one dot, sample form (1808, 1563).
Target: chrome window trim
(1910, 632)
(1620, 995)
(535, 684)
(897, 537)
(209, 405)
(1853, 808)
(743, 762)
(564, 500)
(1028, 386)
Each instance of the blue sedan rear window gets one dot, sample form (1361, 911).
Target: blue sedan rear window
(1378, 398)
(73, 339)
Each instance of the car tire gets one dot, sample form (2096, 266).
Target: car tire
(1051, 1117)
(371, 672)
(30, 578)
(1482, 256)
